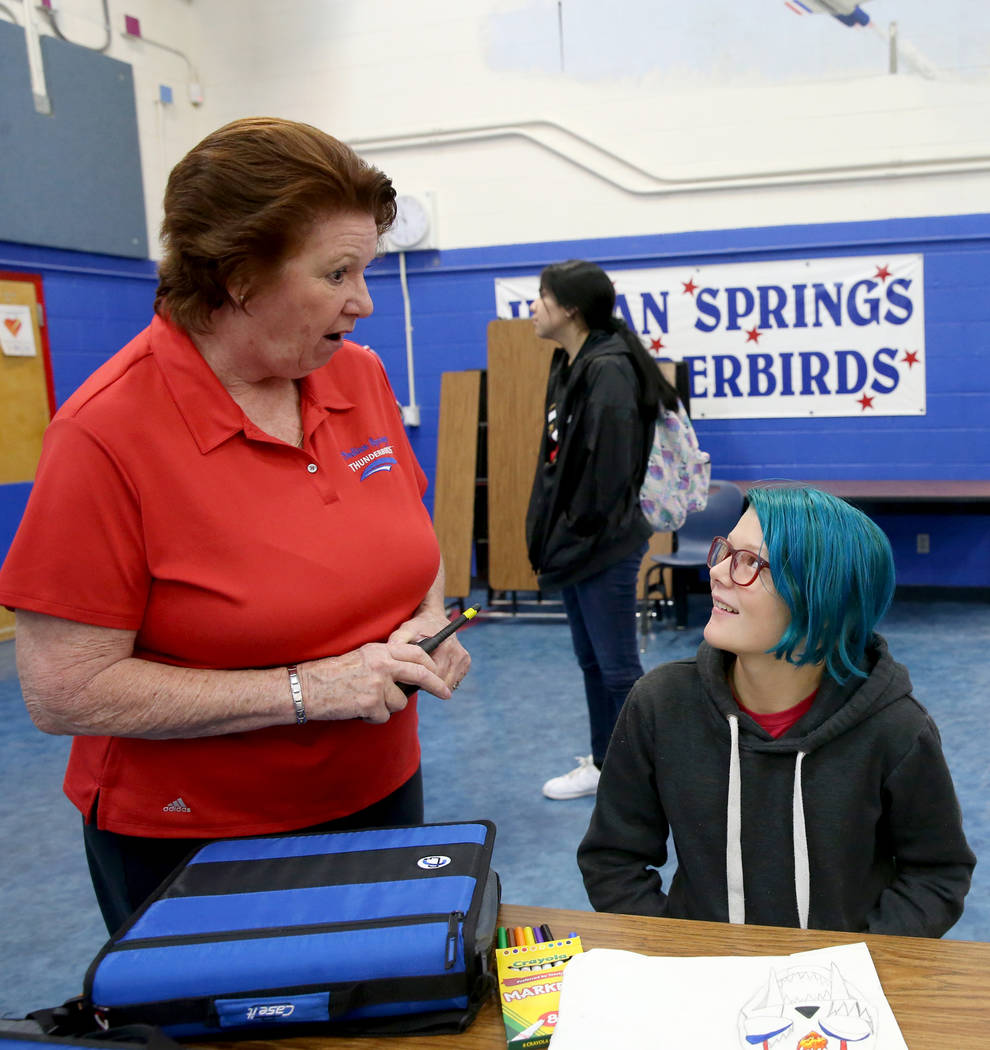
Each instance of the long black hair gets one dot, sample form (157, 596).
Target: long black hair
(587, 288)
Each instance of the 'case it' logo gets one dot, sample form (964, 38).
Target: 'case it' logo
(280, 1010)
(432, 863)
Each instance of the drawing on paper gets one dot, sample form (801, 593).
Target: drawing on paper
(807, 1008)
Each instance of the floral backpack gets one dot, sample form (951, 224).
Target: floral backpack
(677, 475)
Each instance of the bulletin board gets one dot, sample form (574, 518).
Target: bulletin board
(27, 395)
(71, 178)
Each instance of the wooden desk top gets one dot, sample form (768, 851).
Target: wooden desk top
(936, 988)
(901, 491)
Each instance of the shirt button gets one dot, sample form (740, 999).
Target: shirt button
(312, 468)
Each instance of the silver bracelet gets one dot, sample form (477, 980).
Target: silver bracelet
(296, 689)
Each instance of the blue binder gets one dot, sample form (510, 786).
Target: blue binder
(377, 931)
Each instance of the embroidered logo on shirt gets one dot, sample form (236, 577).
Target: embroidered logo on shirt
(178, 806)
(385, 463)
(370, 458)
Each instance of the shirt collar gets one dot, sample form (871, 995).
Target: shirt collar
(208, 410)
(322, 388)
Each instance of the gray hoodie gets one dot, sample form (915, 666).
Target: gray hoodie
(849, 821)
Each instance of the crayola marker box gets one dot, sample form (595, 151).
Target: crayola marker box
(529, 979)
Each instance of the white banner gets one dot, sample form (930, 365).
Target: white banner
(781, 339)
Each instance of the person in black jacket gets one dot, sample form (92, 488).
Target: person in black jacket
(803, 783)
(584, 528)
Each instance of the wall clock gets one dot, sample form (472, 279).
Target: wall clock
(412, 224)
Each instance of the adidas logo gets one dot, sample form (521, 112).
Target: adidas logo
(178, 806)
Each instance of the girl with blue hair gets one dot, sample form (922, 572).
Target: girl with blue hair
(803, 783)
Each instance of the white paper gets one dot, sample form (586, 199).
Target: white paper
(17, 331)
(826, 999)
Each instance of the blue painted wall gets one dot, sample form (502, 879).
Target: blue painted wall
(453, 300)
(96, 303)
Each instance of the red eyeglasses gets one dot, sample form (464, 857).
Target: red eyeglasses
(745, 565)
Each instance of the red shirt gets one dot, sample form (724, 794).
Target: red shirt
(159, 507)
(776, 723)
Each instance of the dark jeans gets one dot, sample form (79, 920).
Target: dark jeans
(126, 869)
(601, 611)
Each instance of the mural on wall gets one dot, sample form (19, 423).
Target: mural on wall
(732, 40)
(782, 339)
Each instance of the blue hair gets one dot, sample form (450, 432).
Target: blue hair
(833, 568)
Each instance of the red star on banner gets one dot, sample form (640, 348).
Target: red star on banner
(689, 286)
(656, 344)
(882, 272)
(753, 335)
(865, 401)
(910, 358)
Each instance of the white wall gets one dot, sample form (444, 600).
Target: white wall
(668, 115)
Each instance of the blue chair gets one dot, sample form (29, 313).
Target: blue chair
(692, 542)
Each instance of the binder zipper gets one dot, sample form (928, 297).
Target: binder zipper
(453, 920)
(453, 925)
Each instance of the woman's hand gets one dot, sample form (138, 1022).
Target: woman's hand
(362, 683)
(451, 659)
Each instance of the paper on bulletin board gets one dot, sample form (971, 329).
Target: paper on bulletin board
(17, 331)
(826, 999)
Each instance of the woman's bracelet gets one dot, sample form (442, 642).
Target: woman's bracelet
(296, 689)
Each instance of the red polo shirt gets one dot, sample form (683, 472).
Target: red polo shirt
(160, 508)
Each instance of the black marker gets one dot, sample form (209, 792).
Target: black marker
(429, 644)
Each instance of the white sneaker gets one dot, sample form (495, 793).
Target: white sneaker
(579, 782)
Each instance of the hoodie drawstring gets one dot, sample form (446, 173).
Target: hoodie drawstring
(733, 832)
(802, 873)
(735, 888)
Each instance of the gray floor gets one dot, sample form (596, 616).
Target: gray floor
(516, 720)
